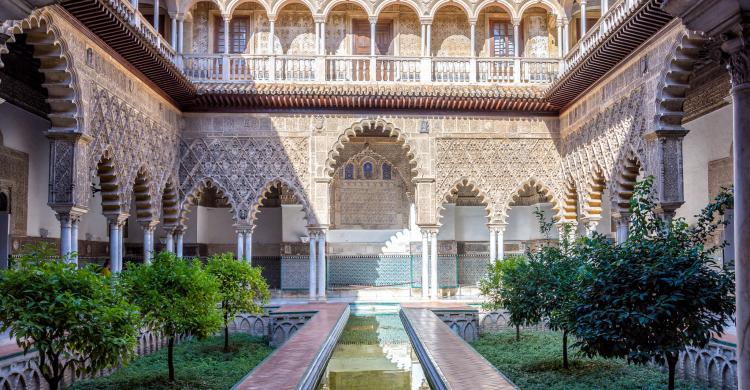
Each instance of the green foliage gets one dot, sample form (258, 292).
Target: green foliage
(531, 364)
(241, 288)
(75, 318)
(658, 291)
(514, 284)
(175, 296)
(200, 365)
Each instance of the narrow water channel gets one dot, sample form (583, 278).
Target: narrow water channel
(374, 353)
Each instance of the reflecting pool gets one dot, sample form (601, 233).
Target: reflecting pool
(374, 352)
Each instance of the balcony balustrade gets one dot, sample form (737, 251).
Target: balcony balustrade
(247, 68)
(326, 68)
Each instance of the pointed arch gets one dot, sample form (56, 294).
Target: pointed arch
(280, 181)
(625, 176)
(57, 65)
(146, 206)
(570, 201)
(542, 188)
(372, 124)
(109, 183)
(594, 196)
(479, 193)
(674, 80)
(190, 197)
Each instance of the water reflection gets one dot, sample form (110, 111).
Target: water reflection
(374, 352)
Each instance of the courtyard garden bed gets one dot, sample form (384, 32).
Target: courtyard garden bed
(198, 365)
(535, 363)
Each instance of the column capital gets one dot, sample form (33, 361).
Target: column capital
(429, 229)
(117, 219)
(319, 18)
(497, 227)
(226, 17)
(473, 21)
(73, 213)
(516, 22)
(425, 21)
(271, 18)
(148, 225)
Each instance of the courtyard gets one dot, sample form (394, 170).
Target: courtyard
(393, 194)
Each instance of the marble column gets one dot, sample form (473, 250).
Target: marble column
(323, 38)
(473, 39)
(493, 244)
(121, 246)
(322, 265)
(173, 39)
(313, 266)
(739, 68)
(65, 232)
(559, 42)
(226, 34)
(425, 264)
(249, 246)
(583, 18)
(148, 241)
(271, 33)
(516, 48)
(240, 245)
(434, 293)
(156, 16)
(170, 241)
(114, 245)
(622, 221)
(179, 242)
(566, 37)
(181, 34)
(500, 232)
(74, 239)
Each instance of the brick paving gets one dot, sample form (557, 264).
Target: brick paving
(458, 363)
(286, 366)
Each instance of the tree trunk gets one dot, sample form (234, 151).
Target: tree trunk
(518, 333)
(565, 350)
(671, 364)
(226, 338)
(170, 357)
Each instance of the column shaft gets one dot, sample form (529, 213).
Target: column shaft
(114, 237)
(493, 246)
(240, 245)
(516, 48)
(74, 240)
(170, 241)
(271, 33)
(741, 150)
(121, 246)
(313, 268)
(180, 35)
(180, 238)
(65, 227)
(322, 266)
(156, 16)
(434, 267)
(373, 49)
(583, 19)
(425, 265)
(322, 38)
(249, 247)
(174, 32)
(147, 234)
(500, 245)
(559, 39)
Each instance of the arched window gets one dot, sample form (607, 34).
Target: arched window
(386, 171)
(367, 170)
(349, 172)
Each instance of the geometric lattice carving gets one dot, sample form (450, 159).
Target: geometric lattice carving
(243, 167)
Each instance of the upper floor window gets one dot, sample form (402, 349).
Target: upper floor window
(367, 170)
(501, 34)
(349, 172)
(386, 171)
(239, 27)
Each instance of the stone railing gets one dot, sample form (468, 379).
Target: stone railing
(465, 323)
(714, 366)
(243, 68)
(19, 371)
(615, 16)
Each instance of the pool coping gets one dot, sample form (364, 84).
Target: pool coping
(314, 371)
(434, 374)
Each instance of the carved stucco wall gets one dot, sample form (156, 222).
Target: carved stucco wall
(615, 120)
(140, 132)
(304, 151)
(450, 33)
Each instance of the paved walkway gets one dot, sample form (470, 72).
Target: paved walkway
(285, 368)
(459, 365)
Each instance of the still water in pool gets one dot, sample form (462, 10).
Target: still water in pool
(374, 352)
